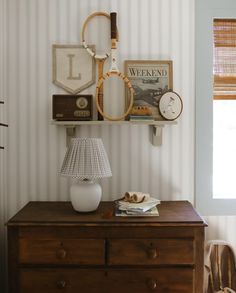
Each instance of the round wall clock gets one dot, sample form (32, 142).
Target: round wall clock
(170, 105)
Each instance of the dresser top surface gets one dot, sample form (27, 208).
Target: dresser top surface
(171, 213)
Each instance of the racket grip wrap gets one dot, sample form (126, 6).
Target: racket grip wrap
(113, 25)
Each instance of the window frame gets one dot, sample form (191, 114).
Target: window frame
(206, 11)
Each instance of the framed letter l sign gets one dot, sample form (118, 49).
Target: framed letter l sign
(73, 68)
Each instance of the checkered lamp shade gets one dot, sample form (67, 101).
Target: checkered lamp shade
(86, 158)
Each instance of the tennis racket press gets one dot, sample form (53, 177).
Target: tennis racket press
(114, 71)
(100, 58)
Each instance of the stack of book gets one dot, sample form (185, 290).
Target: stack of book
(142, 209)
(140, 118)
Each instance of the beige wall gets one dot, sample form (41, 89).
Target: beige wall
(149, 29)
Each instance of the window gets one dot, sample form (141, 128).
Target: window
(215, 134)
(224, 108)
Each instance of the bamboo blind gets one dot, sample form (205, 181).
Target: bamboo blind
(224, 68)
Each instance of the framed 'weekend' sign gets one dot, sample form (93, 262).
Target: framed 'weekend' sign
(150, 79)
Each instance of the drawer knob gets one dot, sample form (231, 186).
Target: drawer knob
(152, 253)
(61, 253)
(61, 284)
(152, 284)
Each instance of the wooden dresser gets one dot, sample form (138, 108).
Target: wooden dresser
(52, 248)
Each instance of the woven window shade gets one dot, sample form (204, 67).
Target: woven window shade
(224, 69)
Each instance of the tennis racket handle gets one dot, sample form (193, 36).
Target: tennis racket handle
(113, 24)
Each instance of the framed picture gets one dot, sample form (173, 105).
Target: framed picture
(150, 79)
(73, 67)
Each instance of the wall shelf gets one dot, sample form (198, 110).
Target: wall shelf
(156, 127)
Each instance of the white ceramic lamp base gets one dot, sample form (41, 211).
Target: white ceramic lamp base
(85, 196)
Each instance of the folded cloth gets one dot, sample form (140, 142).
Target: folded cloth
(136, 197)
(138, 206)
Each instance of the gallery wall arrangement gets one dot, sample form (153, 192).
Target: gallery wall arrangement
(34, 147)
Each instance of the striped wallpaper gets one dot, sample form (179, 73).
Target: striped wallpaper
(3, 142)
(150, 29)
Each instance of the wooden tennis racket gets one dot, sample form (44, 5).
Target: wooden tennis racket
(114, 72)
(100, 59)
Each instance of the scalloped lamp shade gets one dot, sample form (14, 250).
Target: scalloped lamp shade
(86, 160)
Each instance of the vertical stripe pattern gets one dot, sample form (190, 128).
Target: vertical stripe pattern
(3, 142)
(151, 29)
(148, 30)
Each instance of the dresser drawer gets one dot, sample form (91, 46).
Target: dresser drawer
(64, 251)
(151, 251)
(115, 281)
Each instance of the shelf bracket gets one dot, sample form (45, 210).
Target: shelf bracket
(70, 133)
(157, 135)
(155, 128)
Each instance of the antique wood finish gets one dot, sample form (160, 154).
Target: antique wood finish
(13, 275)
(151, 251)
(53, 248)
(61, 251)
(69, 107)
(107, 281)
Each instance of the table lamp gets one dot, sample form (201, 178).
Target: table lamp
(86, 160)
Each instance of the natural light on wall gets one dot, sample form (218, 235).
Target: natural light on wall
(224, 109)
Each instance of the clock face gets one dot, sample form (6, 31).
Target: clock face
(170, 105)
(81, 102)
